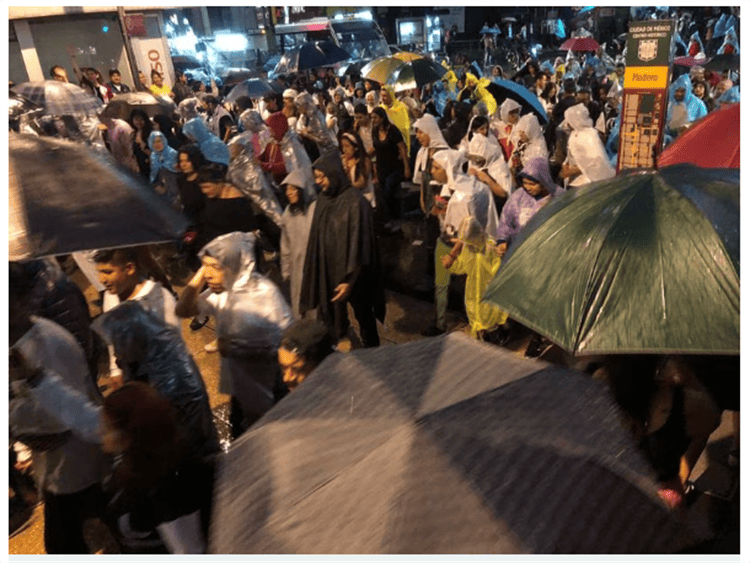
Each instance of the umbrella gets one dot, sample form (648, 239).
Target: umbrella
(502, 89)
(689, 61)
(65, 197)
(59, 98)
(350, 68)
(580, 44)
(721, 63)
(722, 127)
(236, 76)
(444, 445)
(311, 55)
(490, 30)
(122, 105)
(646, 262)
(252, 88)
(404, 74)
(19, 105)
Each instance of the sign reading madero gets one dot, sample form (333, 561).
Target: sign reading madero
(647, 74)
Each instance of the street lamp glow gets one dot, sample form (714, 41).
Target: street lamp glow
(366, 14)
(231, 42)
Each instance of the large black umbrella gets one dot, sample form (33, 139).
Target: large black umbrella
(720, 63)
(65, 197)
(647, 262)
(122, 105)
(252, 88)
(311, 55)
(445, 445)
(504, 89)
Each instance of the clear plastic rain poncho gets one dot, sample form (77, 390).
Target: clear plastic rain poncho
(585, 148)
(166, 158)
(246, 174)
(534, 144)
(312, 124)
(468, 196)
(480, 262)
(154, 353)
(188, 109)
(503, 128)
(428, 125)
(296, 158)
(692, 105)
(251, 316)
(494, 161)
(210, 145)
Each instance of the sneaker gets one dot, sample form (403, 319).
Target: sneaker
(212, 347)
(433, 330)
(197, 323)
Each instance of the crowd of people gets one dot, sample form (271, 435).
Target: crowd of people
(288, 197)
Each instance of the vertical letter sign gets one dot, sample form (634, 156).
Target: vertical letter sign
(646, 82)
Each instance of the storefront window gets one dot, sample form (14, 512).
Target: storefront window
(95, 41)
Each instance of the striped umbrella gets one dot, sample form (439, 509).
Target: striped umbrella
(404, 74)
(60, 98)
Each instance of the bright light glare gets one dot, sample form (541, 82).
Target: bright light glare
(231, 42)
(339, 17)
(407, 28)
(185, 42)
(367, 15)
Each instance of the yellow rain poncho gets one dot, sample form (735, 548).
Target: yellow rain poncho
(451, 77)
(398, 114)
(480, 93)
(479, 261)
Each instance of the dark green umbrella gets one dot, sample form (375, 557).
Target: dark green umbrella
(647, 262)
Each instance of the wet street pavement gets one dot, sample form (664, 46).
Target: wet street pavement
(713, 517)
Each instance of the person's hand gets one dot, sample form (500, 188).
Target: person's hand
(199, 279)
(501, 249)
(447, 261)
(473, 172)
(341, 292)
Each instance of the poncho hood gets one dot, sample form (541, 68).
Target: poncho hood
(251, 121)
(330, 165)
(429, 125)
(305, 103)
(578, 117)
(538, 170)
(278, 124)
(506, 107)
(211, 146)
(166, 158)
(236, 254)
(451, 161)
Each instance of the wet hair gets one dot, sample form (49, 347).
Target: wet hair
(212, 172)
(116, 256)
(194, 154)
(309, 339)
(548, 90)
(479, 122)
(148, 125)
(381, 113)
(149, 422)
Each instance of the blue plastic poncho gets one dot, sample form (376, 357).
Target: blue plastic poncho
(210, 145)
(731, 96)
(730, 38)
(166, 158)
(693, 104)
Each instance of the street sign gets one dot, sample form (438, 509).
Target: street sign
(645, 83)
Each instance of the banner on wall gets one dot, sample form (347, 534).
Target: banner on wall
(152, 53)
(646, 82)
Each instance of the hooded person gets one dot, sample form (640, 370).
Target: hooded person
(528, 141)
(153, 352)
(538, 187)
(342, 261)
(684, 107)
(247, 175)
(189, 109)
(271, 160)
(251, 315)
(162, 155)
(344, 108)
(731, 96)
(457, 130)
(695, 49)
(509, 114)
(476, 88)
(490, 167)
(730, 44)
(295, 232)
(441, 95)
(398, 113)
(587, 159)
(431, 140)
(480, 262)
(311, 124)
(210, 145)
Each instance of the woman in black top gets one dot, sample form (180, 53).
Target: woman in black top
(140, 121)
(190, 159)
(392, 162)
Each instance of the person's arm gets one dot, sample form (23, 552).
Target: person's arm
(482, 176)
(452, 256)
(187, 304)
(404, 158)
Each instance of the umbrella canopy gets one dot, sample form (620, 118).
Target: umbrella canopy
(713, 142)
(19, 105)
(404, 71)
(60, 98)
(236, 76)
(311, 55)
(580, 44)
(720, 63)
(122, 105)
(252, 88)
(65, 197)
(646, 262)
(689, 61)
(352, 67)
(490, 30)
(445, 445)
(502, 89)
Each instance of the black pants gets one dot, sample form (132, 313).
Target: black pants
(368, 327)
(64, 516)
